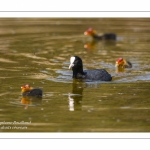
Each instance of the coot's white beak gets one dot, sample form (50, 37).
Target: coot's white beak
(72, 59)
(71, 65)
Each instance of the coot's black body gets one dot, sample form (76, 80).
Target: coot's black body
(34, 92)
(96, 74)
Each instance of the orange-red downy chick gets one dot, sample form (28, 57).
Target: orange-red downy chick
(27, 90)
(123, 63)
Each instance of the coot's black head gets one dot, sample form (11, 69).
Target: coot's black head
(75, 62)
(76, 65)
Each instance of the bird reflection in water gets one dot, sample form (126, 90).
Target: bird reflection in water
(31, 101)
(75, 97)
(95, 45)
(91, 45)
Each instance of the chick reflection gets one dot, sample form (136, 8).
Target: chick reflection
(91, 45)
(31, 101)
(75, 98)
(96, 44)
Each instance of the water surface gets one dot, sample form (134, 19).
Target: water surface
(37, 51)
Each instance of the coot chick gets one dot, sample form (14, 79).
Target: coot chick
(106, 36)
(123, 63)
(78, 73)
(27, 90)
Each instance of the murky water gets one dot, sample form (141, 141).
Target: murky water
(37, 51)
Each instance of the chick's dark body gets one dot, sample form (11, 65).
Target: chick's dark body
(34, 92)
(106, 36)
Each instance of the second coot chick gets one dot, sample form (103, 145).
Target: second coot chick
(27, 90)
(123, 63)
(106, 36)
(96, 74)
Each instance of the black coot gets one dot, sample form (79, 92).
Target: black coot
(96, 74)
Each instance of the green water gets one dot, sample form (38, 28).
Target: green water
(37, 51)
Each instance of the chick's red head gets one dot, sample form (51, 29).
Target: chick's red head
(90, 31)
(26, 88)
(120, 62)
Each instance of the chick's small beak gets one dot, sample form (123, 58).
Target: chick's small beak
(85, 33)
(117, 64)
(71, 65)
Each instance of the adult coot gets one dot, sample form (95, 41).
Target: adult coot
(96, 74)
(27, 90)
(123, 63)
(106, 36)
